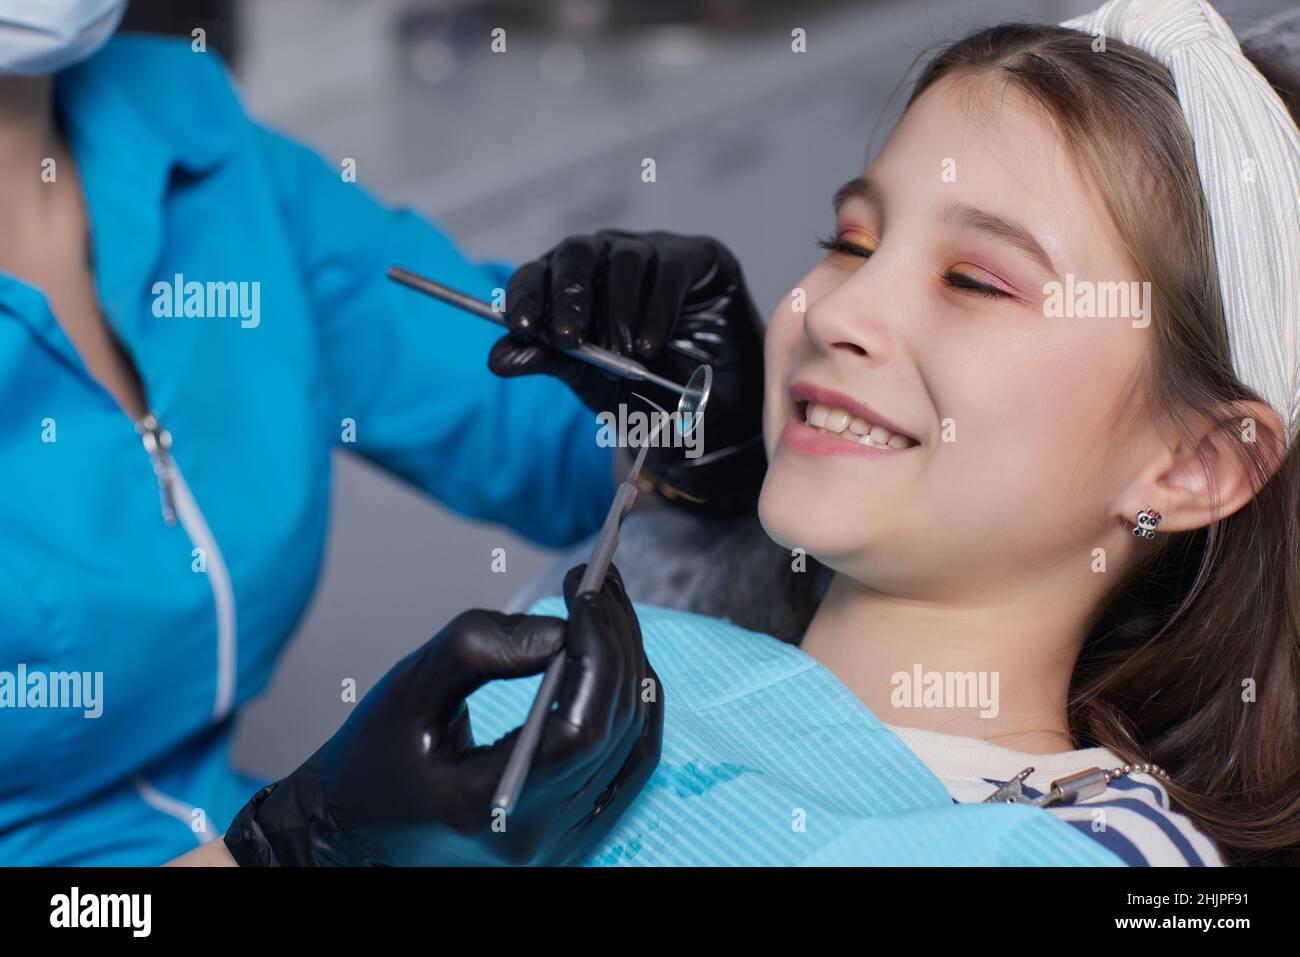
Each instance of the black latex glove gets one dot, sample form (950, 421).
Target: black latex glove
(402, 783)
(634, 293)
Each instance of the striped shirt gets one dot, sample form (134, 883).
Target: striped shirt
(1132, 818)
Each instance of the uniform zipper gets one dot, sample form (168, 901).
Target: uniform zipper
(178, 503)
(158, 443)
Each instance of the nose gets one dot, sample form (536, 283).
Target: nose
(849, 319)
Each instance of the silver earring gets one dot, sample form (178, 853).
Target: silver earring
(1147, 520)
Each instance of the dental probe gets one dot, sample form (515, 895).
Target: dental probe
(593, 578)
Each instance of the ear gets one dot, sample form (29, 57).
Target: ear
(1207, 475)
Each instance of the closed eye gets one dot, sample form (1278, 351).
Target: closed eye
(965, 283)
(833, 244)
(955, 280)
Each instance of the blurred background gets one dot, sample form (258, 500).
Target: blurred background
(509, 152)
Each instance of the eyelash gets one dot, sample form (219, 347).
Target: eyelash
(955, 280)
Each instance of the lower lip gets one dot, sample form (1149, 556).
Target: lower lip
(802, 437)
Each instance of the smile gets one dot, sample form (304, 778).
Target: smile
(852, 428)
(826, 423)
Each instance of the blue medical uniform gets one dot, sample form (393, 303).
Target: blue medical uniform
(186, 620)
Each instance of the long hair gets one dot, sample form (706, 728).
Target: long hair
(1193, 659)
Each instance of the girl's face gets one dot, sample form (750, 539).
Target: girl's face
(1011, 437)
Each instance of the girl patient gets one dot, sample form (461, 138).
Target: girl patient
(1036, 421)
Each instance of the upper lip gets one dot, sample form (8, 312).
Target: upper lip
(807, 392)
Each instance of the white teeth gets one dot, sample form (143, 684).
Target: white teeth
(852, 428)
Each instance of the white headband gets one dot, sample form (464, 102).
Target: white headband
(1248, 156)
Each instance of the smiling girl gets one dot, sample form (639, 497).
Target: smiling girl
(996, 530)
(1097, 508)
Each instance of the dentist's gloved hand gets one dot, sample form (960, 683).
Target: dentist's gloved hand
(401, 783)
(634, 293)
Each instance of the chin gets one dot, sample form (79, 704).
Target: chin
(792, 521)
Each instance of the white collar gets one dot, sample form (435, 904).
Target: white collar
(954, 756)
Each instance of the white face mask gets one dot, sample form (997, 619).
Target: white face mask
(44, 36)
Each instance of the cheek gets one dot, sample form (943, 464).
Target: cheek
(784, 331)
(1030, 421)
(780, 346)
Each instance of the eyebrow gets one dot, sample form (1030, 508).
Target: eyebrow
(860, 187)
(969, 217)
(958, 214)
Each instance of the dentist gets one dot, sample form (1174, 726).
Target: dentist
(167, 478)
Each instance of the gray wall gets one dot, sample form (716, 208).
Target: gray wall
(510, 152)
